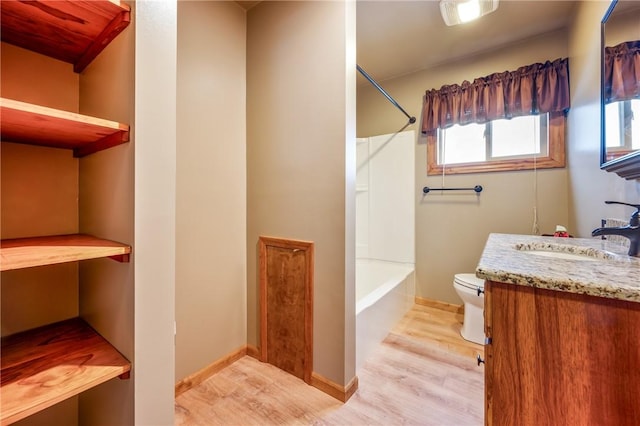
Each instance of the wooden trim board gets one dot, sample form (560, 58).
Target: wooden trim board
(253, 352)
(443, 306)
(339, 392)
(200, 376)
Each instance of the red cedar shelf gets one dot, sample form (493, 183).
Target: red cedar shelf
(46, 365)
(72, 31)
(39, 251)
(22, 122)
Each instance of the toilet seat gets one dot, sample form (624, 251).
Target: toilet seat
(469, 281)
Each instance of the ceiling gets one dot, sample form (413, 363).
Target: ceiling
(246, 5)
(395, 38)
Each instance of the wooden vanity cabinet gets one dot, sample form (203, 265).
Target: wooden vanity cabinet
(559, 358)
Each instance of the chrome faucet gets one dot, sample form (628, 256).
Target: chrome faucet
(630, 231)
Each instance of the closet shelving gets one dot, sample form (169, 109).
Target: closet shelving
(39, 251)
(49, 364)
(46, 365)
(38, 125)
(69, 30)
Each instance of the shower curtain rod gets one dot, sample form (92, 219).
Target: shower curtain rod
(381, 90)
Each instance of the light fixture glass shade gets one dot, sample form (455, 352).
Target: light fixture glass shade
(456, 12)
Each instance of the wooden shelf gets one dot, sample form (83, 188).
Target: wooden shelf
(49, 364)
(71, 31)
(37, 125)
(38, 251)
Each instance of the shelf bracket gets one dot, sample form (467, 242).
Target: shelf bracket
(104, 143)
(111, 31)
(122, 258)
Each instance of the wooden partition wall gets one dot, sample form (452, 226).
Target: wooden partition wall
(286, 305)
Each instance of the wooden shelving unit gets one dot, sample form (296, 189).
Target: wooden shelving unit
(46, 365)
(37, 125)
(39, 251)
(71, 31)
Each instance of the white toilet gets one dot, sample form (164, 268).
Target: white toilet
(471, 291)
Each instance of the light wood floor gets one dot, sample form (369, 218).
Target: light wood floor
(424, 373)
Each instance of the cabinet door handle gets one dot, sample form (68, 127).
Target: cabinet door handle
(480, 360)
(480, 291)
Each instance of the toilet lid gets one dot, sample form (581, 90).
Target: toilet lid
(469, 281)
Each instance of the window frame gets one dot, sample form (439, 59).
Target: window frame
(554, 159)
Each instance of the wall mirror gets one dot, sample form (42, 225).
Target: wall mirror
(620, 89)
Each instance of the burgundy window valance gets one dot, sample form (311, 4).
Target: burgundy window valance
(622, 71)
(532, 89)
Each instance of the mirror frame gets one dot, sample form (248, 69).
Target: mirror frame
(627, 166)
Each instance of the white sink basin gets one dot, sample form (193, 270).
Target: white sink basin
(564, 251)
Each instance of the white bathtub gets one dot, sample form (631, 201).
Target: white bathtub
(385, 291)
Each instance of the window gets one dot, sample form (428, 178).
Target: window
(623, 127)
(520, 143)
(504, 143)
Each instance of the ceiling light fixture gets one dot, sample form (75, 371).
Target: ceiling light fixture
(456, 12)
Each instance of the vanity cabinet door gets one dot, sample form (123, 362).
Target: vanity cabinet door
(558, 358)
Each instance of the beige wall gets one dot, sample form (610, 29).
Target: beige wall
(590, 186)
(39, 196)
(155, 211)
(297, 146)
(622, 26)
(211, 184)
(39, 193)
(451, 229)
(31, 77)
(106, 210)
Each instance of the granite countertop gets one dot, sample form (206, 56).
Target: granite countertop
(608, 272)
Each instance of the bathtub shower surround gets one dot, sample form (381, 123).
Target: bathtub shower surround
(385, 192)
(385, 292)
(385, 236)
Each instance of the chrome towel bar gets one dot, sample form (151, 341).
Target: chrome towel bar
(477, 189)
